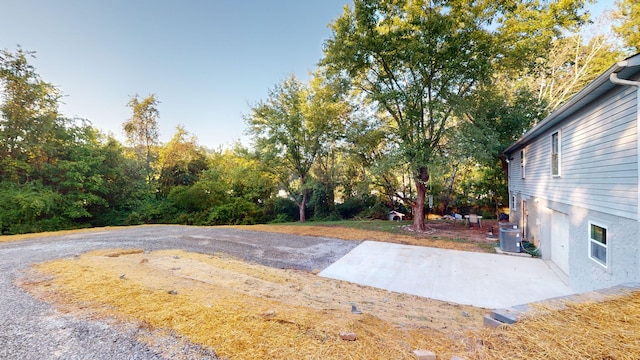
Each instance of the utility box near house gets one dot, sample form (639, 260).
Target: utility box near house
(510, 239)
(507, 225)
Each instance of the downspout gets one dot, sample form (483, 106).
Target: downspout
(616, 80)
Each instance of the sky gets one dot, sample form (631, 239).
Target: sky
(207, 61)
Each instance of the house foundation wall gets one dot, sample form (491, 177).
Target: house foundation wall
(584, 273)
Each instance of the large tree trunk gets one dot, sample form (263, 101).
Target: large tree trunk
(303, 205)
(418, 206)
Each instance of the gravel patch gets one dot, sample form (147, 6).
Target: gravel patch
(30, 329)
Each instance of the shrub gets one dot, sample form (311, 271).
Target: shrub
(282, 209)
(353, 206)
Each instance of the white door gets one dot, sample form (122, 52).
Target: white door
(560, 240)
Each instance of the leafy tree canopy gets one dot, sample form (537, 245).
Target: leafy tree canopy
(628, 27)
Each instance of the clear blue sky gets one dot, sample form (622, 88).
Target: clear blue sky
(206, 60)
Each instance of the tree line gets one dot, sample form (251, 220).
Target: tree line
(409, 109)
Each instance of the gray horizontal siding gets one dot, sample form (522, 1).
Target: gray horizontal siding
(599, 158)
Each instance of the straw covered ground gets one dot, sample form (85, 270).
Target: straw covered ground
(249, 311)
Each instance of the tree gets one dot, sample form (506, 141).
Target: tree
(328, 106)
(497, 117)
(288, 131)
(124, 183)
(28, 116)
(628, 28)
(420, 61)
(568, 64)
(416, 63)
(181, 161)
(526, 29)
(233, 190)
(142, 129)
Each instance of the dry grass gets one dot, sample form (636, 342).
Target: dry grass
(347, 233)
(247, 311)
(8, 238)
(244, 311)
(591, 330)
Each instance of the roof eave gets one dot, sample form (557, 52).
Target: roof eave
(598, 86)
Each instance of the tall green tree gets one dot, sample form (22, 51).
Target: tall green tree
(419, 62)
(497, 117)
(627, 15)
(327, 104)
(142, 130)
(28, 116)
(568, 64)
(525, 30)
(181, 161)
(124, 183)
(416, 62)
(288, 130)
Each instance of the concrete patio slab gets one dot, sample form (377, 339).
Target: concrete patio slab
(470, 278)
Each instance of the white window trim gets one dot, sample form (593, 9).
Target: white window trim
(514, 201)
(523, 164)
(606, 246)
(559, 154)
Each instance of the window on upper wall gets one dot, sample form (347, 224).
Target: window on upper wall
(555, 154)
(522, 164)
(598, 244)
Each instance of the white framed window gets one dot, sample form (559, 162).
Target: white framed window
(514, 202)
(598, 244)
(555, 154)
(523, 168)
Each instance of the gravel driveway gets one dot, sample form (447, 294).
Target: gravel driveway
(30, 329)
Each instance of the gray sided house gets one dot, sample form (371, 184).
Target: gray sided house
(573, 182)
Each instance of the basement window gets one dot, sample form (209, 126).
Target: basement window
(598, 244)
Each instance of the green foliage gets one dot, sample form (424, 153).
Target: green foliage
(55, 172)
(357, 206)
(438, 89)
(29, 208)
(416, 63)
(526, 29)
(279, 210)
(181, 161)
(233, 190)
(628, 27)
(379, 211)
(142, 130)
(290, 130)
(322, 202)
(29, 117)
(238, 211)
